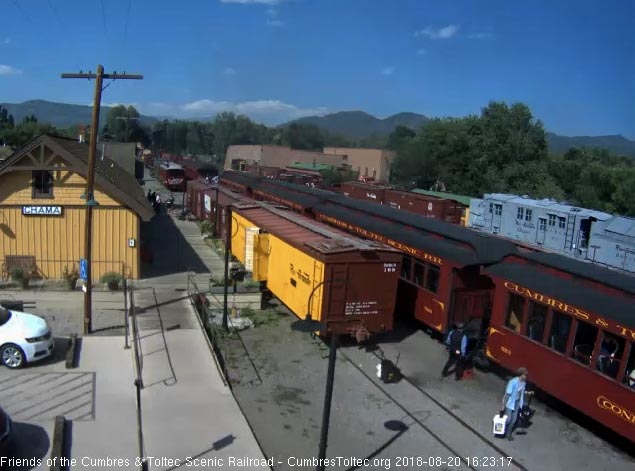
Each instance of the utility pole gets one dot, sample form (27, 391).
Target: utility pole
(90, 179)
(127, 118)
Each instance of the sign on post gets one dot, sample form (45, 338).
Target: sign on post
(83, 269)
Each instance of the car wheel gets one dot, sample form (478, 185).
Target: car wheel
(12, 356)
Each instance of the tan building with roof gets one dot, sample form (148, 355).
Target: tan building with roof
(43, 214)
(370, 164)
(240, 156)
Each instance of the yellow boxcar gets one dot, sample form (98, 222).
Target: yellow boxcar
(348, 283)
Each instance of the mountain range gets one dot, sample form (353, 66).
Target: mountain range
(350, 124)
(61, 115)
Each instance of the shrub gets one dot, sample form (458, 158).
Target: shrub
(112, 279)
(206, 227)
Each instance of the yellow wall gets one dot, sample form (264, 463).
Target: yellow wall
(239, 226)
(15, 188)
(58, 241)
(261, 257)
(285, 263)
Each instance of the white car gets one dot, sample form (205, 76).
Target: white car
(24, 338)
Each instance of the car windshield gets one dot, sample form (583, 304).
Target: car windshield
(5, 315)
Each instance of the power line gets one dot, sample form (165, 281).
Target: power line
(125, 33)
(54, 12)
(103, 15)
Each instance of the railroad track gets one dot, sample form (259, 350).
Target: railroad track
(490, 454)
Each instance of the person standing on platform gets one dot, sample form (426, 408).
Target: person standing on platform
(457, 346)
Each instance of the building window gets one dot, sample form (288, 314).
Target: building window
(406, 267)
(584, 342)
(561, 222)
(419, 272)
(42, 184)
(542, 224)
(559, 334)
(515, 312)
(552, 219)
(498, 209)
(520, 213)
(432, 280)
(528, 214)
(537, 321)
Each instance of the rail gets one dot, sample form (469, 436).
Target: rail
(197, 299)
(138, 381)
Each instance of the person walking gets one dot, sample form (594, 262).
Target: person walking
(514, 400)
(457, 345)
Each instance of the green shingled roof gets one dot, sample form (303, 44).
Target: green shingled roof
(464, 200)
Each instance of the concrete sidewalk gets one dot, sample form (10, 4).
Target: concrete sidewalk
(188, 411)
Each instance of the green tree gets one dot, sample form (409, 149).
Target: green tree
(400, 136)
(303, 136)
(123, 124)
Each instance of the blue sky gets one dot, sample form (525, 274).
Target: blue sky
(572, 62)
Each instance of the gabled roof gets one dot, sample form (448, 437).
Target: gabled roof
(109, 177)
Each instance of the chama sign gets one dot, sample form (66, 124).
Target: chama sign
(42, 210)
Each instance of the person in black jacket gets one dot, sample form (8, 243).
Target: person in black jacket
(457, 346)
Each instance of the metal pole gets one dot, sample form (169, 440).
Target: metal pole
(327, 402)
(228, 243)
(216, 215)
(126, 313)
(144, 462)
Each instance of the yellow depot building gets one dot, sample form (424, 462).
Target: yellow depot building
(43, 211)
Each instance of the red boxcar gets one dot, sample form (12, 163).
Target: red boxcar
(427, 206)
(364, 191)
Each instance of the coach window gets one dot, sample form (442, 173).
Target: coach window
(432, 280)
(584, 342)
(542, 224)
(515, 312)
(561, 222)
(498, 209)
(537, 321)
(418, 275)
(629, 373)
(406, 268)
(611, 351)
(560, 326)
(552, 219)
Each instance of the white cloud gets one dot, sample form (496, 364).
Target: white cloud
(275, 23)
(387, 70)
(6, 41)
(229, 71)
(8, 70)
(438, 33)
(421, 52)
(272, 12)
(264, 2)
(265, 111)
(479, 35)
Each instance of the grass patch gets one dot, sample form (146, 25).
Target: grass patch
(261, 317)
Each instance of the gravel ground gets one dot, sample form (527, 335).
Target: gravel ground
(278, 377)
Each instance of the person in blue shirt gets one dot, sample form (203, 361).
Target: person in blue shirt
(514, 400)
(456, 342)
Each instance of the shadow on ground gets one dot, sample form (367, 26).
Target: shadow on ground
(30, 443)
(171, 253)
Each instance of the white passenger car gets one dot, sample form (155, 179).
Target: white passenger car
(24, 338)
